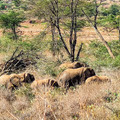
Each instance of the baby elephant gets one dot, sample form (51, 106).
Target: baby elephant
(97, 79)
(44, 82)
(71, 77)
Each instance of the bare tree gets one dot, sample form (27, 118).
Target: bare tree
(73, 28)
(52, 11)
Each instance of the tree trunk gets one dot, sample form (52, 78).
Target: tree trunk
(53, 37)
(58, 28)
(61, 37)
(71, 32)
(95, 17)
(78, 54)
(119, 34)
(100, 36)
(75, 33)
(73, 29)
(14, 33)
(119, 27)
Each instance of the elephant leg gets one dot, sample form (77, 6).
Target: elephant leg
(66, 86)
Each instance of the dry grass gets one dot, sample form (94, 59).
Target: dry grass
(85, 102)
(85, 35)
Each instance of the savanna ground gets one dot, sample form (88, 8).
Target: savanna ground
(85, 102)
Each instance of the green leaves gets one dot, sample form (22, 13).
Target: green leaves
(17, 2)
(111, 18)
(8, 20)
(2, 5)
(114, 10)
(11, 20)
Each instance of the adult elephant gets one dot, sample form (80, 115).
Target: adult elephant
(73, 65)
(72, 77)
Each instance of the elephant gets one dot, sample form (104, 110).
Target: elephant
(72, 77)
(28, 78)
(97, 79)
(16, 80)
(44, 82)
(5, 78)
(73, 65)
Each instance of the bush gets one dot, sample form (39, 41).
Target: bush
(2, 6)
(9, 45)
(51, 68)
(6, 44)
(25, 91)
(102, 57)
(11, 20)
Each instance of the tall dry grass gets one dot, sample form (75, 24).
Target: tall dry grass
(85, 102)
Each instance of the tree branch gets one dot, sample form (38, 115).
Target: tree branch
(100, 36)
(78, 54)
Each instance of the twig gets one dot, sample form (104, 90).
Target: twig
(80, 48)
(12, 115)
(46, 101)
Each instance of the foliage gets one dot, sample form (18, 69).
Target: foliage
(41, 41)
(17, 2)
(111, 18)
(61, 14)
(110, 21)
(56, 46)
(6, 44)
(102, 57)
(9, 45)
(25, 91)
(89, 8)
(2, 5)
(11, 20)
(114, 10)
(51, 69)
(80, 24)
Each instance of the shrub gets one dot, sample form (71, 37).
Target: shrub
(102, 57)
(7, 44)
(51, 68)
(11, 21)
(2, 6)
(25, 91)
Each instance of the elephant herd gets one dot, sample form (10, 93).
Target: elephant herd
(75, 73)
(14, 81)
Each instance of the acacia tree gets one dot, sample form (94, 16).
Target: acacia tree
(57, 13)
(11, 21)
(111, 18)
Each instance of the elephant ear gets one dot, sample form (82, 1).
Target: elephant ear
(78, 65)
(9, 85)
(92, 72)
(54, 83)
(22, 77)
(29, 78)
(88, 72)
(14, 83)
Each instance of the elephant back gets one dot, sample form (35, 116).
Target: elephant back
(97, 79)
(73, 65)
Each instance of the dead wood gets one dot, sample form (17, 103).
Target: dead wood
(19, 61)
